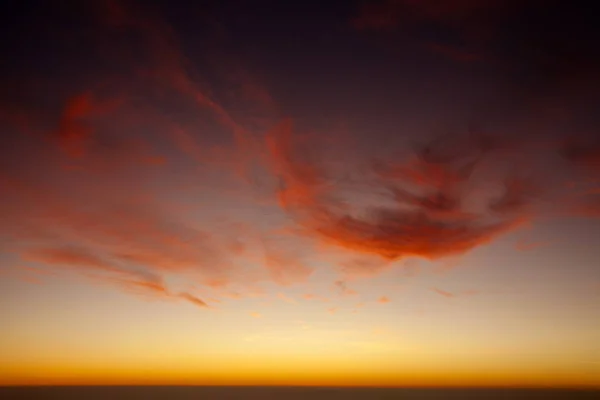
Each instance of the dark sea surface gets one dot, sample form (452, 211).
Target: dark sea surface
(285, 393)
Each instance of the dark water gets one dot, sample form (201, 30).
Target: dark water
(284, 393)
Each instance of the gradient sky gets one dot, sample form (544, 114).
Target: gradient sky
(386, 192)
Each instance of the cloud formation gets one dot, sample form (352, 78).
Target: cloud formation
(427, 215)
(451, 295)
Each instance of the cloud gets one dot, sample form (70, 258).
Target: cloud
(285, 265)
(383, 300)
(311, 296)
(364, 267)
(451, 295)
(255, 314)
(75, 131)
(69, 256)
(443, 293)
(85, 188)
(193, 299)
(143, 281)
(528, 246)
(344, 290)
(426, 217)
(101, 223)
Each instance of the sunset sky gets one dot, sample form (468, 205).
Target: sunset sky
(385, 193)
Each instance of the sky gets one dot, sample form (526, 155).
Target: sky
(378, 193)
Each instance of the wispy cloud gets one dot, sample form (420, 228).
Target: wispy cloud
(443, 293)
(451, 295)
(311, 296)
(343, 289)
(427, 217)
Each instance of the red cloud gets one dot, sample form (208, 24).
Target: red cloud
(73, 131)
(427, 218)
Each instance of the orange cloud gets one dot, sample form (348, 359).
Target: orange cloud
(311, 296)
(104, 228)
(152, 289)
(383, 300)
(364, 267)
(450, 295)
(443, 293)
(69, 257)
(428, 218)
(129, 280)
